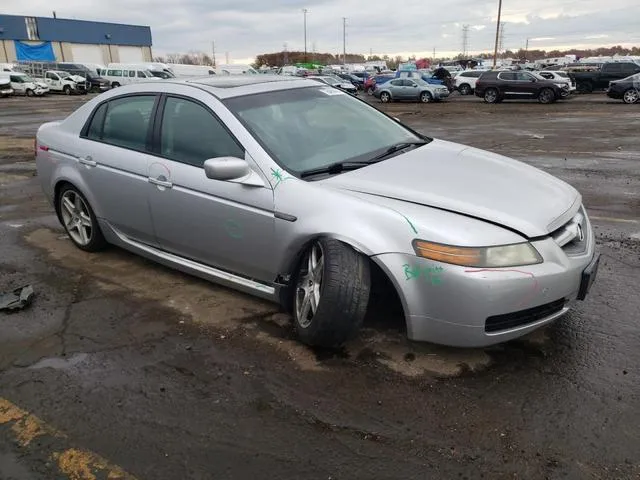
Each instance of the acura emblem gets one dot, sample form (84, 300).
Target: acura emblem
(580, 232)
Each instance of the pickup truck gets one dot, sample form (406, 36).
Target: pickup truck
(64, 82)
(587, 82)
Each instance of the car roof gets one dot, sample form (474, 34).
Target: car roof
(229, 86)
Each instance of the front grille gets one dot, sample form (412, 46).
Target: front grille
(567, 236)
(523, 317)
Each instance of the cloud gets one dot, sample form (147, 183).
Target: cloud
(245, 28)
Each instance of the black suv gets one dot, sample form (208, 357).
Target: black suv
(495, 86)
(627, 89)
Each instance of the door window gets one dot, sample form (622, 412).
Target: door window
(141, 74)
(508, 76)
(524, 76)
(132, 73)
(409, 83)
(191, 134)
(396, 83)
(95, 128)
(126, 121)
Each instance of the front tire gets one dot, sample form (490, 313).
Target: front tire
(631, 96)
(78, 219)
(546, 96)
(425, 97)
(67, 90)
(30, 93)
(385, 97)
(331, 294)
(115, 85)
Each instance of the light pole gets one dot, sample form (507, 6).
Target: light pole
(304, 11)
(495, 51)
(344, 40)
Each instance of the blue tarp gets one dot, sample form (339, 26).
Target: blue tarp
(41, 53)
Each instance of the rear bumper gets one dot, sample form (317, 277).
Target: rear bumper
(473, 307)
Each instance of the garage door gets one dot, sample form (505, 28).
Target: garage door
(130, 55)
(87, 54)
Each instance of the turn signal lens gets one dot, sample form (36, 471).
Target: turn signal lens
(517, 254)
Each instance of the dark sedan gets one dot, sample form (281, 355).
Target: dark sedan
(495, 86)
(627, 89)
(336, 82)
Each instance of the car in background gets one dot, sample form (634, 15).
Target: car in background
(495, 86)
(303, 195)
(627, 89)
(465, 81)
(23, 84)
(98, 84)
(410, 89)
(64, 82)
(119, 76)
(371, 82)
(359, 78)
(560, 78)
(599, 78)
(5, 87)
(335, 82)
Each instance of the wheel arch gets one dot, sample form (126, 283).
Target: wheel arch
(61, 182)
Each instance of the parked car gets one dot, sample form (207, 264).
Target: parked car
(23, 84)
(561, 79)
(427, 77)
(357, 81)
(359, 77)
(304, 195)
(5, 87)
(598, 79)
(336, 82)
(98, 83)
(371, 82)
(64, 82)
(160, 70)
(183, 70)
(411, 89)
(465, 81)
(495, 86)
(627, 89)
(119, 77)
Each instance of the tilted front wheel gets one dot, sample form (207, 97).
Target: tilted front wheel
(79, 221)
(331, 293)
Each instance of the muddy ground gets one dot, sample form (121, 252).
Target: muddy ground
(125, 369)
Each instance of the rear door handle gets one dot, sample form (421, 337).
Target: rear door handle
(160, 183)
(88, 161)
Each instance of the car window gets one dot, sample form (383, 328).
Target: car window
(614, 67)
(132, 73)
(546, 75)
(126, 122)
(524, 76)
(396, 83)
(507, 76)
(141, 74)
(95, 129)
(409, 83)
(192, 134)
(51, 76)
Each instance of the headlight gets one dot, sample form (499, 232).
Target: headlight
(516, 254)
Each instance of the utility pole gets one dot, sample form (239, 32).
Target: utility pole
(526, 50)
(465, 40)
(305, 11)
(501, 46)
(213, 53)
(434, 54)
(344, 40)
(286, 55)
(495, 51)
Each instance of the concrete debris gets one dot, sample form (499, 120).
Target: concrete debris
(18, 299)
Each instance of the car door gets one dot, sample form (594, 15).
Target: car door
(528, 84)
(410, 89)
(113, 151)
(222, 224)
(508, 85)
(395, 87)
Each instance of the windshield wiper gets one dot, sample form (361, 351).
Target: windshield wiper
(395, 149)
(334, 168)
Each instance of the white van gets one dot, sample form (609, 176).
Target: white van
(235, 69)
(159, 70)
(120, 76)
(23, 84)
(182, 70)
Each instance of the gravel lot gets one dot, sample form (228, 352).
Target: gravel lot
(125, 369)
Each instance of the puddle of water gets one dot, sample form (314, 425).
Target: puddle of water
(59, 363)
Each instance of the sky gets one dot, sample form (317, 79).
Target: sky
(241, 29)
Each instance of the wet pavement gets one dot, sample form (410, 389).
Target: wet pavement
(125, 369)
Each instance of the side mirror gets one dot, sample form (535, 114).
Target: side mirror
(232, 169)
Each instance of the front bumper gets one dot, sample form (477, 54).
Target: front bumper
(441, 95)
(468, 307)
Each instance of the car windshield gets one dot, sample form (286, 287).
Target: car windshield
(538, 76)
(310, 128)
(63, 74)
(333, 80)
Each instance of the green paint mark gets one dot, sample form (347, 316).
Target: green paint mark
(233, 228)
(431, 273)
(410, 224)
(277, 174)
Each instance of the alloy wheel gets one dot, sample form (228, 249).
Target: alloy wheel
(491, 95)
(631, 96)
(309, 286)
(76, 217)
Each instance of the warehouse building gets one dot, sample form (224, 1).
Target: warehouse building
(65, 40)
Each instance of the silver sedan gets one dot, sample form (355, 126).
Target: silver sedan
(296, 192)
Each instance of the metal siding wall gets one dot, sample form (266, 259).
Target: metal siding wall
(14, 27)
(77, 31)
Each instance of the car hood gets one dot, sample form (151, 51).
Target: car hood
(472, 182)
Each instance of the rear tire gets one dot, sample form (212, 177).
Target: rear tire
(631, 96)
(385, 97)
(78, 219)
(464, 89)
(491, 95)
(115, 85)
(331, 294)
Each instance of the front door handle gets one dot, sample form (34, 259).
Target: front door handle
(88, 161)
(160, 182)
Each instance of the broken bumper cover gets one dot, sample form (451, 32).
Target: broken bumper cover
(477, 307)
